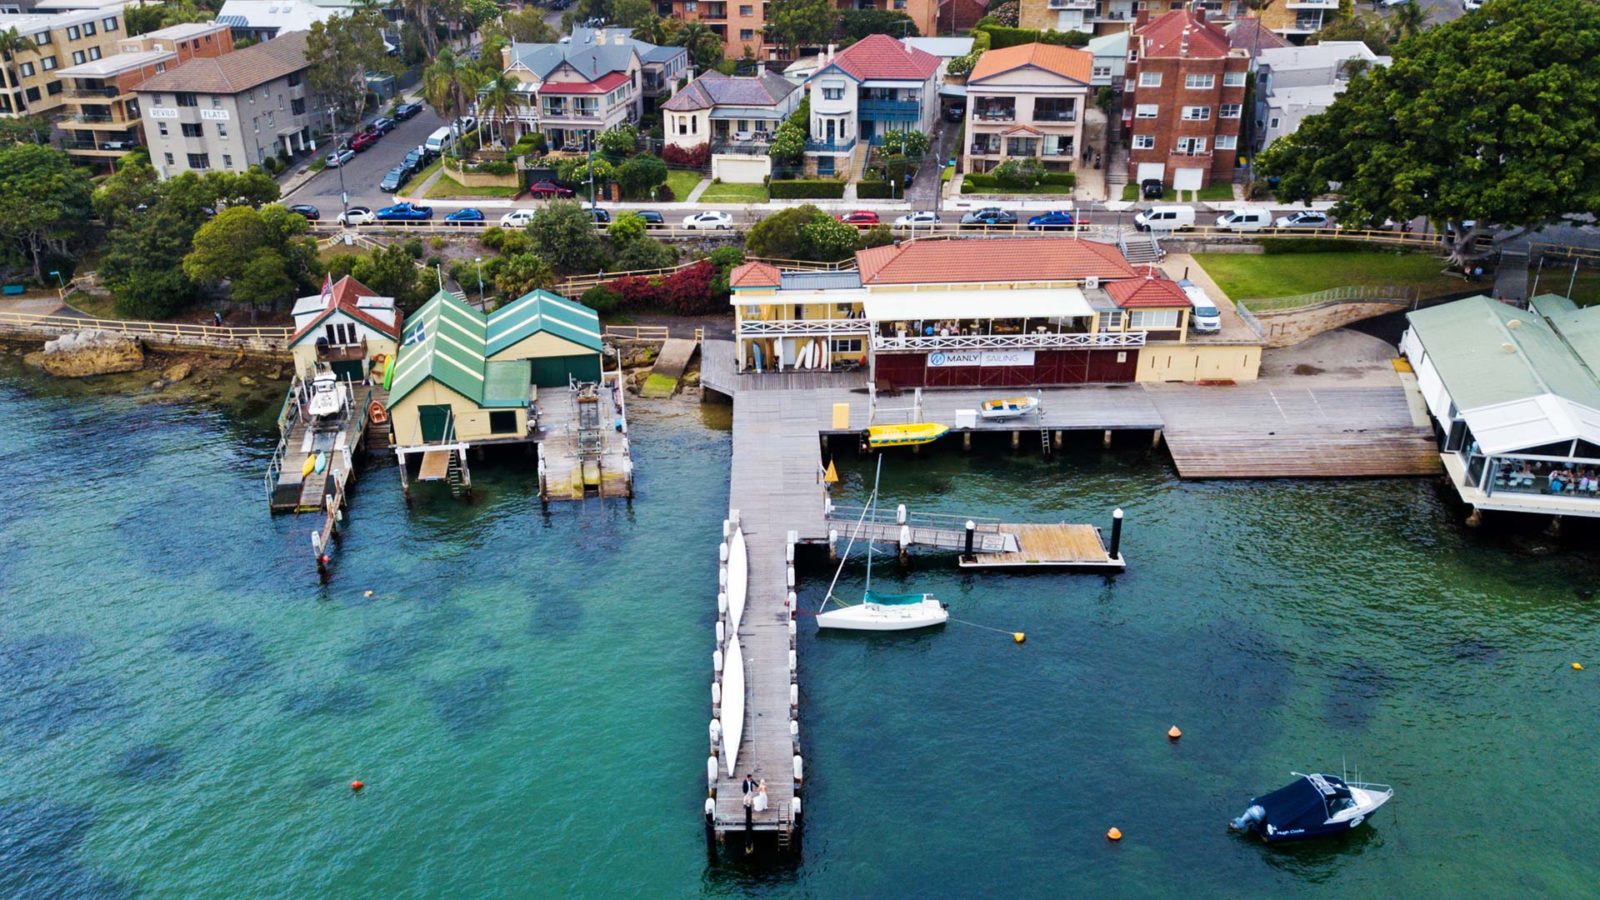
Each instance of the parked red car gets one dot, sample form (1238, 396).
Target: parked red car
(861, 218)
(547, 189)
(363, 140)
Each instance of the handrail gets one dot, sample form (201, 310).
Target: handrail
(1110, 339)
(638, 332)
(1354, 293)
(926, 519)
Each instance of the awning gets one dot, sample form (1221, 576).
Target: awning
(1535, 422)
(1033, 303)
(952, 90)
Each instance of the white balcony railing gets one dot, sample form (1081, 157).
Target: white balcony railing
(1109, 340)
(752, 328)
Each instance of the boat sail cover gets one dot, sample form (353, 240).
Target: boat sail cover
(892, 599)
(1302, 806)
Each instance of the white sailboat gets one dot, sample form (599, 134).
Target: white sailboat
(738, 578)
(879, 612)
(732, 702)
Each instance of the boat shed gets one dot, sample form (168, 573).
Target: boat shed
(345, 327)
(560, 338)
(1515, 400)
(446, 390)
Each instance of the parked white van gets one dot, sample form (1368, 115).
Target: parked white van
(440, 140)
(1245, 220)
(1204, 319)
(1165, 218)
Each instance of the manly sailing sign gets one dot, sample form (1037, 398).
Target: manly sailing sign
(944, 359)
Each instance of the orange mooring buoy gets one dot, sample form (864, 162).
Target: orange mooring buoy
(357, 785)
(1115, 834)
(1173, 733)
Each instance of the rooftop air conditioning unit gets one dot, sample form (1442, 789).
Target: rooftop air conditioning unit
(1091, 282)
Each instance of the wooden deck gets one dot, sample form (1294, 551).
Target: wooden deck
(1277, 430)
(571, 468)
(292, 490)
(1061, 546)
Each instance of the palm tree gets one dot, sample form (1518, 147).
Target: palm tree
(441, 85)
(498, 98)
(653, 30)
(472, 81)
(1409, 19)
(419, 12)
(705, 48)
(13, 44)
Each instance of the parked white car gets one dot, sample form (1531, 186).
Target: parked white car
(708, 221)
(923, 219)
(517, 218)
(340, 157)
(1305, 218)
(358, 215)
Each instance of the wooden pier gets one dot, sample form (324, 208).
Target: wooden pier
(991, 545)
(583, 441)
(289, 487)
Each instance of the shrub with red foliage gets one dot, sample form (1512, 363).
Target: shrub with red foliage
(694, 157)
(686, 292)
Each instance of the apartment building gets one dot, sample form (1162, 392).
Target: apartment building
(1106, 16)
(1183, 101)
(1027, 101)
(1295, 82)
(742, 25)
(229, 112)
(99, 118)
(1297, 19)
(873, 86)
(30, 86)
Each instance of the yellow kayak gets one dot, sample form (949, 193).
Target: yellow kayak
(905, 435)
(311, 463)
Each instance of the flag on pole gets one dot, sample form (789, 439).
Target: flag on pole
(327, 290)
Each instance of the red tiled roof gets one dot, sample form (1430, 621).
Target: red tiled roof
(1068, 62)
(599, 86)
(1000, 259)
(1164, 37)
(347, 292)
(881, 56)
(1249, 35)
(1147, 292)
(755, 274)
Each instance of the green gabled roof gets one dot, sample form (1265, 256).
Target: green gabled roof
(543, 311)
(443, 340)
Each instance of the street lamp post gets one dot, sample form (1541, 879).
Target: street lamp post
(479, 261)
(61, 287)
(344, 196)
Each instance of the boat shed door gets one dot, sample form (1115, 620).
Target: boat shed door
(435, 420)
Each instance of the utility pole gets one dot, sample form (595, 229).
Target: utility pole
(344, 196)
(480, 282)
(594, 200)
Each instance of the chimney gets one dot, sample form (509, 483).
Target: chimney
(617, 39)
(1199, 12)
(829, 58)
(1141, 18)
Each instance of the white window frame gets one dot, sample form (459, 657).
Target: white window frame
(1111, 319)
(1127, 85)
(1144, 142)
(1230, 111)
(1149, 79)
(1227, 142)
(26, 69)
(1100, 72)
(1151, 319)
(1200, 81)
(1197, 113)
(74, 32)
(1233, 79)
(1146, 111)
(1196, 146)
(109, 23)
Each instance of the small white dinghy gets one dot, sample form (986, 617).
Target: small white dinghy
(732, 702)
(887, 612)
(326, 397)
(1009, 408)
(738, 578)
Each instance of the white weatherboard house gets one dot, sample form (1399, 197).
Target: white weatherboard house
(1515, 400)
(344, 328)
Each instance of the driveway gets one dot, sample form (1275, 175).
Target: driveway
(362, 174)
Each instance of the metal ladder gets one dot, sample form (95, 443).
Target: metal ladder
(1044, 438)
(453, 473)
(785, 827)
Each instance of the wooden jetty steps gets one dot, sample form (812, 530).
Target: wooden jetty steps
(1274, 430)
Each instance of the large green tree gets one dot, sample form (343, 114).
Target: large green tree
(855, 24)
(528, 26)
(261, 254)
(45, 203)
(564, 234)
(342, 51)
(142, 263)
(803, 232)
(1488, 118)
(705, 48)
(392, 272)
(793, 24)
(521, 273)
(133, 185)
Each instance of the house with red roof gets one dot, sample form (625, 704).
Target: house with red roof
(1027, 101)
(589, 82)
(873, 86)
(1184, 101)
(344, 327)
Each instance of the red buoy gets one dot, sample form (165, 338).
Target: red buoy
(357, 785)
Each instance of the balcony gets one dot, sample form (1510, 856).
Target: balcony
(1072, 4)
(830, 146)
(99, 93)
(985, 150)
(889, 109)
(753, 145)
(103, 148)
(1312, 4)
(1071, 340)
(1307, 25)
(101, 123)
(1055, 117)
(995, 113)
(584, 115)
(814, 327)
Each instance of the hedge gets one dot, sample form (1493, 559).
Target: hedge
(988, 184)
(874, 190)
(806, 189)
(1001, 36)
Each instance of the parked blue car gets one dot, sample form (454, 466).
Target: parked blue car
(1050, 221)
(465, 215)
(405, 212)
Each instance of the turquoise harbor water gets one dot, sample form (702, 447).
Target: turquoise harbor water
(182, 705)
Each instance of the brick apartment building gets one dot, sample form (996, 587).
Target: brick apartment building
(1183, 101)
(741, 23)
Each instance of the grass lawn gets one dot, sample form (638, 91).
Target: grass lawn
(410, 188)
(101, 306)
(1555, 279)
(735, 193)
(447, 187)
(1130, 193)
(682, 182)
(1266, 276)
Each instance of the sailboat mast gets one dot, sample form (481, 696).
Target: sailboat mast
(872, 506)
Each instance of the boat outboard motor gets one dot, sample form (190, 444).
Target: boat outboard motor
(1252, 817)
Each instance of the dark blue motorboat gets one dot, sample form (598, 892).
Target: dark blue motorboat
(1311, 806)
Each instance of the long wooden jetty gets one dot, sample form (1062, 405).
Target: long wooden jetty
(981, 543)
